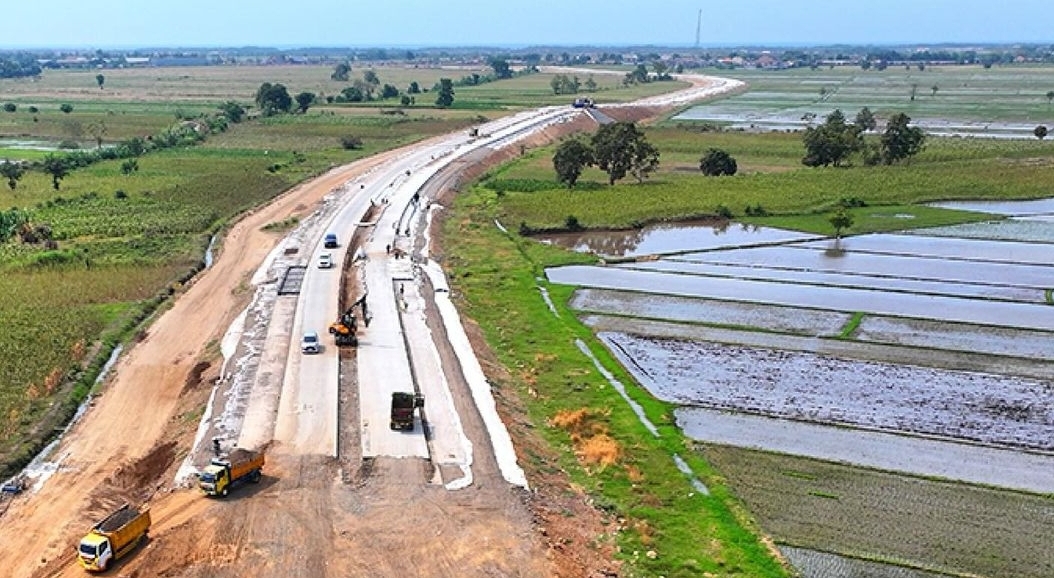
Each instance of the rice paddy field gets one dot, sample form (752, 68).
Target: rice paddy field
(1006, 101)
(819, 371)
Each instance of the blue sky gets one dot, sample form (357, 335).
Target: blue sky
(131, 23)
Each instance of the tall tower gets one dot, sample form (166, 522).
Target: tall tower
(698, 27)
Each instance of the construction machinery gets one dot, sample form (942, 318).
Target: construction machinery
(113, 537)
(344, 328)
(403, 406)
(238, 467)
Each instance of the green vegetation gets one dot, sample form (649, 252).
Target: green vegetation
(772, 177)
(628, 472)
(836, 508)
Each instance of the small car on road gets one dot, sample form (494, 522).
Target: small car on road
(310, 343)
(325, 261)
(330, 241)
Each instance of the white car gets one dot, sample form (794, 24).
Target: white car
(325, 261)
(310, 343)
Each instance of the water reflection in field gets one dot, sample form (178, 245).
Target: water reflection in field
(672, 238)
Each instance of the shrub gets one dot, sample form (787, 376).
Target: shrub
(351, 142)
(10, 107)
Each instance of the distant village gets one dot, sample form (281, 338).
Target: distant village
(674, 59)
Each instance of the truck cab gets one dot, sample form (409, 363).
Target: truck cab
(95, 552)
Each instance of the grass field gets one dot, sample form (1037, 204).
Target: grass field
(964, 93)
(773, 178)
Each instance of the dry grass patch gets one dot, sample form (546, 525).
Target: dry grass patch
(594, 447)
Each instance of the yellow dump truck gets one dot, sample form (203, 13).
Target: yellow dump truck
(238, 467)
(113, 537)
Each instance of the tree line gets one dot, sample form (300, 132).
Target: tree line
(836, 141)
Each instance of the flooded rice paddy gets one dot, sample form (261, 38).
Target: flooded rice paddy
(919, 356)
(928, 457)
(975, 304)
(978, 407)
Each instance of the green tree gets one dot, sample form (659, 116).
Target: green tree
(414, 88)
(645, 160)
(840, 220)
(1040, 132)
(865, 120)
(66, 107)
(372, 82)
(341, 72)
(10, 107)
(572, 156)
(12, 171)
(129, 166)
(233, 111)
(501, 68)
(445, 98)
(1050, 97)
(831, 143)
(590, 84)
(389, 91)
(100, 79)
(934, 88)
(900, 140)
(620, 148)
(717, 162)
(304, 100)
(273, 99)
(56, 166)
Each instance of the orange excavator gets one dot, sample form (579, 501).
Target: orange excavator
(344, 328)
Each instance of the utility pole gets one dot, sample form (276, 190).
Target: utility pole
(698, 27)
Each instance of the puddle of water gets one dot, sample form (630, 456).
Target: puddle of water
(672, 238)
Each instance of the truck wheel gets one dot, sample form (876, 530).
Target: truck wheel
(256, 477)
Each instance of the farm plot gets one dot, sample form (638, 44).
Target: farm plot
(815, 564)
(932, 334)
(847, 260)
(1024, 229)
(909, 454)
(949, 527)
(919, 245)
(673, 265)
(948, 99)
(951, 309)
(979, 407)
(724, 313)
